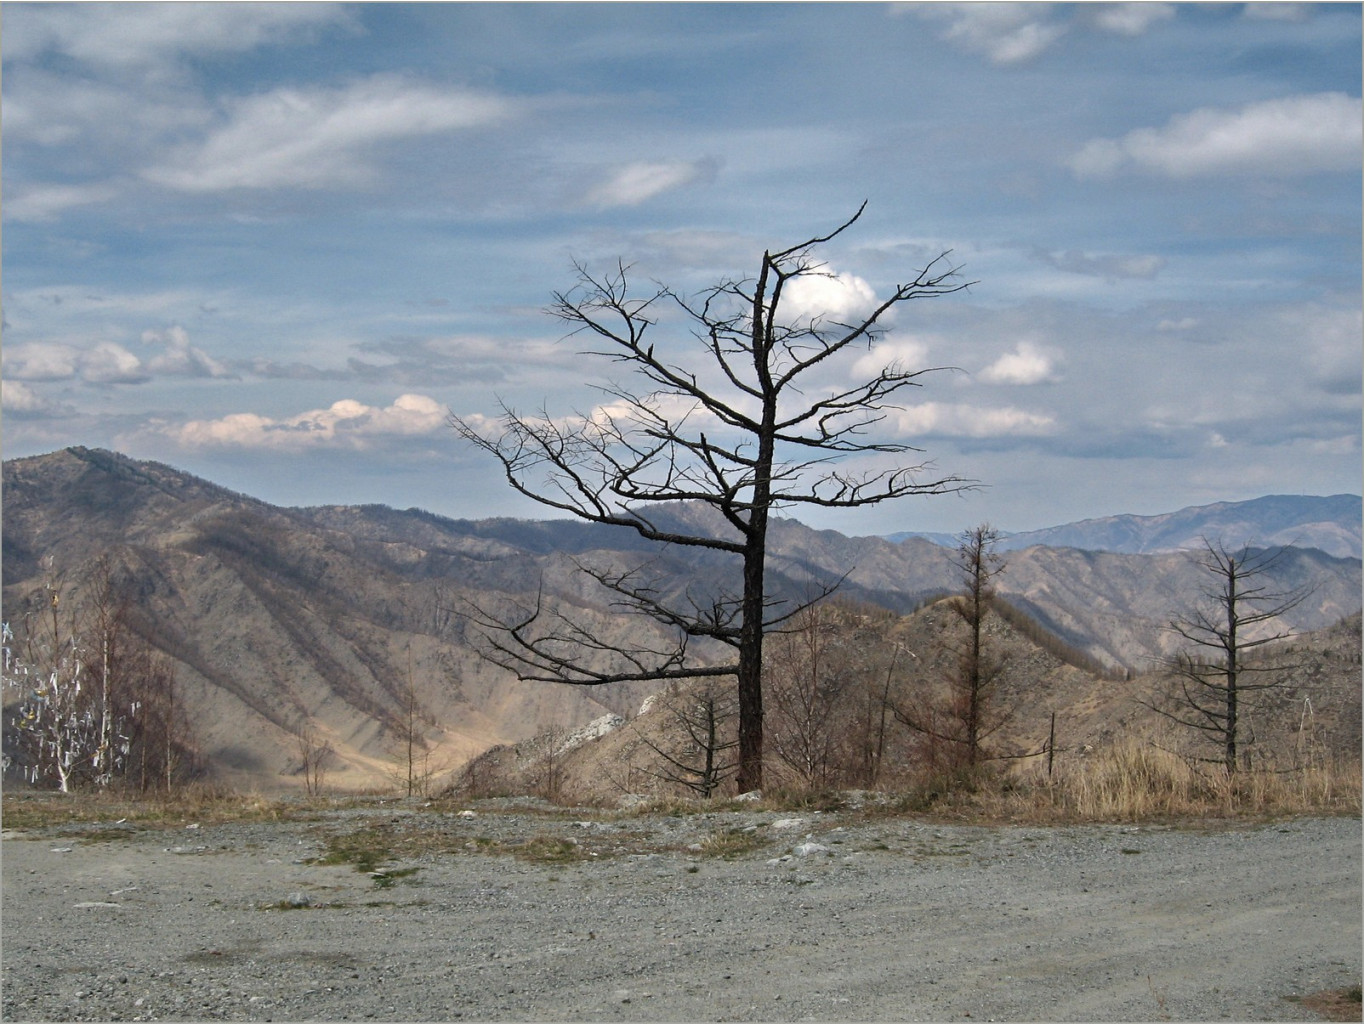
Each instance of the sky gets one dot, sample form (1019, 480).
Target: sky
(278, 245)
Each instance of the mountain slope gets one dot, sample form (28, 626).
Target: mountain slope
(280, 617)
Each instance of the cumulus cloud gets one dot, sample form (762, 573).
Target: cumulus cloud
(111, 363)
(840, 298)
(945, 419)
(180, 359)
(1026, 364)
(37, 361)
(307, 138)
(345, 424)
(638, 182)
(1291, 136)
(104, 363)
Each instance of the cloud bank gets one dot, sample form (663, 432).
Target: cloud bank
(1287, 137)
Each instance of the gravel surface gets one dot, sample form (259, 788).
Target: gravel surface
(512, 913)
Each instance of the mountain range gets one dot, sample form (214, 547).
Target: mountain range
(1330, 524)
(331, 617)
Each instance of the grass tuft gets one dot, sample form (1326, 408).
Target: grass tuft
(732, 843)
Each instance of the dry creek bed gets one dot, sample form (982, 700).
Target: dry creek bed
(518, 913)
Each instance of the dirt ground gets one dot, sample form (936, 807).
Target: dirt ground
(514, 914)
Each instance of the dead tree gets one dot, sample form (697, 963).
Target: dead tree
(695, 750)
(971, 712)
(755, 422)
(314, 757)
(1213, 675)
(810, 684)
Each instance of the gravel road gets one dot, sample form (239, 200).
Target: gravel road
(517, 914)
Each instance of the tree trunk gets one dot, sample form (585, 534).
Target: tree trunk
(751, 666)
(1232, 646)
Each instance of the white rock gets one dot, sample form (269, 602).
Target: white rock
(593, 730)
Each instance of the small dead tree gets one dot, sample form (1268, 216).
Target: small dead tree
(756, 423)
(809, 686)
(695, 750)
(314, 757)
(412, 750)
(971, 714)
(1238, 614)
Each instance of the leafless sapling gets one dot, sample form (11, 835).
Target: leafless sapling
(1239, 612)
(695, 748)
(971, 713)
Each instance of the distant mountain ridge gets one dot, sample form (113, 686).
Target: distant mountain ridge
(279, 617)
(1331, 524)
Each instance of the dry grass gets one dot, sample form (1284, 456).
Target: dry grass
(1335, 1004)
(1129, 782)
(1138, 782)
(204, 803)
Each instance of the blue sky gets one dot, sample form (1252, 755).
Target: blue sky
(275, 244)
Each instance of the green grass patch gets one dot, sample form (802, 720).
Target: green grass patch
(364, 850)
(732, 843)
(548, 850)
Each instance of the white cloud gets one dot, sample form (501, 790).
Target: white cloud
(1026, 364)
(842, 298)
(1128, 19)
(1268, 11)
(346, 424)
(181, 359)
(21, 400)
(138, 34)
(959, 420)
(640, 181)
(47, 202)
(104, 363)
(303, 138)
(908, 354)
(38, 361)
(1291, 136)
(111, 363)
(1005, 33)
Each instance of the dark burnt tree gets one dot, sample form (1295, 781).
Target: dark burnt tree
(1221, 666)
(755, 420)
